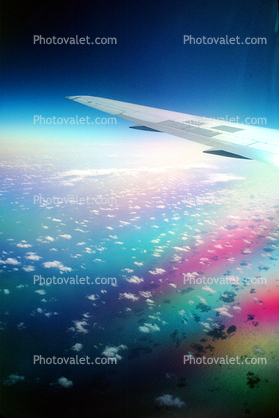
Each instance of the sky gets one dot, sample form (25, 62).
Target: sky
(149, 64)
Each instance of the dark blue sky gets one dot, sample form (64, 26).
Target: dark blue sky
(150, 65)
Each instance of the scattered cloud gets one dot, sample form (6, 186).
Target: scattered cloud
(113, 351)
(56, 264)
(169, 401)
(13, 378)
(129, 296)
(147, 328)
(77, 347)
(63, 381)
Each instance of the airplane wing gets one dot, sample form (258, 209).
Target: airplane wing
(223, 138)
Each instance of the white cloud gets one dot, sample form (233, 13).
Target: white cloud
(28, 268)
(49, 238)
(93, 297)
(168, 400)
(56, 264)
(41, 292)
(147, 328)
(33, 256)
(128, 270)
(186, 248)
(63, 381)
(135, 279)
(223, 311)
(13, 378)
(80, 326)
(208, 289)
(173, 285)
(233, 279)
(20, 245)
(113, 351)
(202, 300)
(146, 294)
(150, 302)
(77, 347)
(129, 296)
(157, 271)
(65, 236)
(12, 261)
(206, 325)
(222, 177)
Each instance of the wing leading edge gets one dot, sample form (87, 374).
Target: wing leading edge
(224, 138)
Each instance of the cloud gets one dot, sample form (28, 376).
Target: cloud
(190, 275)
(13, 378)
(56, 264)
(93, 297)
(12, 261)
(147, 328)
(113, 351)
(206, 325)
(20, 245)
(79, 327)
(135, 279)
(77, 347)
(149, 302)
(208, 289)
(28, 268)
(41, 292)
(73, 176)
(222, 177)
(157, 271)
(186, 248)
(223, 311)
(129, 296)
(65, 236)
(33, 256)
(202, 300)
(63, 381)
(233, 279)
(169, 401)
(146, 294)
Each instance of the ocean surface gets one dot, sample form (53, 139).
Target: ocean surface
(165, 270)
